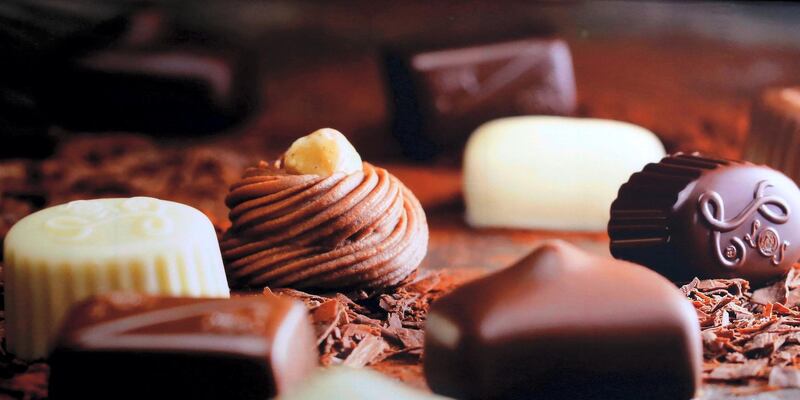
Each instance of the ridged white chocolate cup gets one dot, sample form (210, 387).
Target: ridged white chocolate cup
(63, 254)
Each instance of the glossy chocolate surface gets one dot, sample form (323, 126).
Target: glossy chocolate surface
(563, 324)
(440, 96)
(690, 216)
(136, 346)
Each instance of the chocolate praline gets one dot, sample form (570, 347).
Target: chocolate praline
(564, 324)
(690, 216)
(127, 345)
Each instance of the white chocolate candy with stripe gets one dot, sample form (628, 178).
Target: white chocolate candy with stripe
(63, 254)
(557, 173)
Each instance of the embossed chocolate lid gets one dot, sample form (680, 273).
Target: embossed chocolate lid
(690, 216)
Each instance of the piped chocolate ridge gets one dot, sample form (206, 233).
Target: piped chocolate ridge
(344, 231)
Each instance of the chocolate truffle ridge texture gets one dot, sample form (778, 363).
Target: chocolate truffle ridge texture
(362, 230)
(690, 216)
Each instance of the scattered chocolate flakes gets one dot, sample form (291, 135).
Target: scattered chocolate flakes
(365, 352)
(749, 336)
(196, 176)
(361, 329)
(87, 167)
(18, 194)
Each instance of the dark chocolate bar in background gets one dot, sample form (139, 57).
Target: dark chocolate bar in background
(91, 65)
(33, 33)
(439, 96)
(23, 126)
(135, 346)
(173, 89)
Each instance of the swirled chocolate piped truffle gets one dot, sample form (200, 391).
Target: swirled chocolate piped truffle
(321, 218)
(690, 216)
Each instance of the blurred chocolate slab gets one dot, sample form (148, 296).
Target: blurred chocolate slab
(171, 90)
(774, 137)
(23, 127)
(132, 346)
(440, 95)
(35, 37)
(32, 31)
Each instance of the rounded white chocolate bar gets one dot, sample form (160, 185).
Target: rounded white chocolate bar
(556, 173)
(63, 254)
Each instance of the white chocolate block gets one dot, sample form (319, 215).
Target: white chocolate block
(554, 173)
(323, 152)
(344, 383)
(63, 254)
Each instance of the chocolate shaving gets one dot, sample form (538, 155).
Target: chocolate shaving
(360, 329)
(783, 377)
(92, 166)
(20, 379)
(365, 352)
(749, 336)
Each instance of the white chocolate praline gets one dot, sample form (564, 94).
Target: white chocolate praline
(64, 254)
(344, 383)
(557, 173)
(323, 152)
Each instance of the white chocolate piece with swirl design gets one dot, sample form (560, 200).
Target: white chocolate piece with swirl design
(63, 254)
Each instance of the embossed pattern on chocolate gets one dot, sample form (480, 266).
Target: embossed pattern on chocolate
(690, 216)
(441, 95)
(364, 229)
(142, 216)
(767, 241)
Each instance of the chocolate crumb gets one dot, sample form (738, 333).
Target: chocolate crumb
(360, 329)
(749, 336)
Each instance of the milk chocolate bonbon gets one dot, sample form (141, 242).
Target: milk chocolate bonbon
(133, 346)
(563, 324)
(339, 229)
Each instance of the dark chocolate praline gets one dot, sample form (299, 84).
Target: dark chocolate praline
(692, 216)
